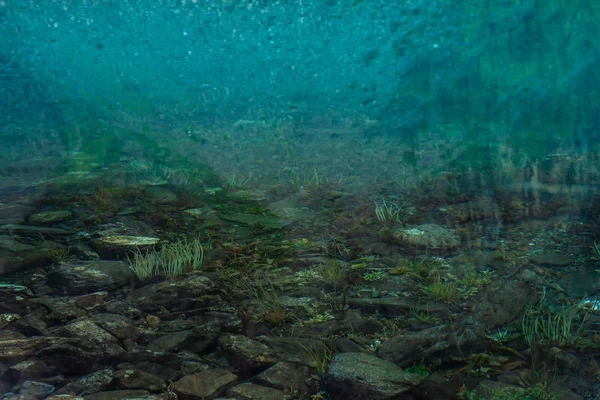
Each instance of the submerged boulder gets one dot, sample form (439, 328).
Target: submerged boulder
(428, 236)
(357, 376)
(113, 245)
(90, 276)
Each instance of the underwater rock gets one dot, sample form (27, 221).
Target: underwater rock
(87, 329)
(179, 325)
(22, 185)
(16, 256)
(325, 199)
(34, 231)
(203, 384)
(143, 360)
(246, 355)
(285, 375)
(90, 276)
(117, 325)
(529, 276)
(135, 379)
(32, 324)
(124, 395)
(254, 391)
(61, 309)
(120, 307)
(156, 369)
(552, 259)
(113, 245)
(35, 390)
(23, 260)
(154, 181)
(90, 301)
(94, 382)
(358, 376)
(265, 221)
(21, 349)
(217, 322)
(293, 349)
(290, 209)
(79, 356)
(436, 386)
(49, 217)
(204, 213)
(11, 244)
(429, 236)
(500, 303)
(72, 180)
(189, 368)
(248, 195)
(11, 335)
(7, 318)
(69, 308)
(471, 211)
(438, 342)
(581, 284)
(30, 370)
(567, 361)
(14, 299)
(175, 295)
(160, 195)
(13, 213)
(390, 306)
(171, 342)
(212, 191)
(201, 212)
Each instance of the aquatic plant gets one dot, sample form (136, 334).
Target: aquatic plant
(266, 304)
(172, 260)
(318, 318)
(420, 369)
(374, 276)
(144, 264)
(334, 301)
(56, 253)
(182, 256)
(234, 181)
(332, 271)
(389, 211)
(596, 248)
(424, 316)
(315, 178)
(319, 358)
(471, 277)
(465, 394)
(368, 259)
(441, 290)
(320, 395)
(276, 314)
(302, 243)
(562, 326)
(500, 336)
(301, 278)
(422, 269)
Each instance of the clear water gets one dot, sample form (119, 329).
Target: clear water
(313, 130)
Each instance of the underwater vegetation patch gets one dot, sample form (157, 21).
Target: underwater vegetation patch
(171, 260)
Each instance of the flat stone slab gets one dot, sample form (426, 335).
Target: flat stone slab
(29, 230)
